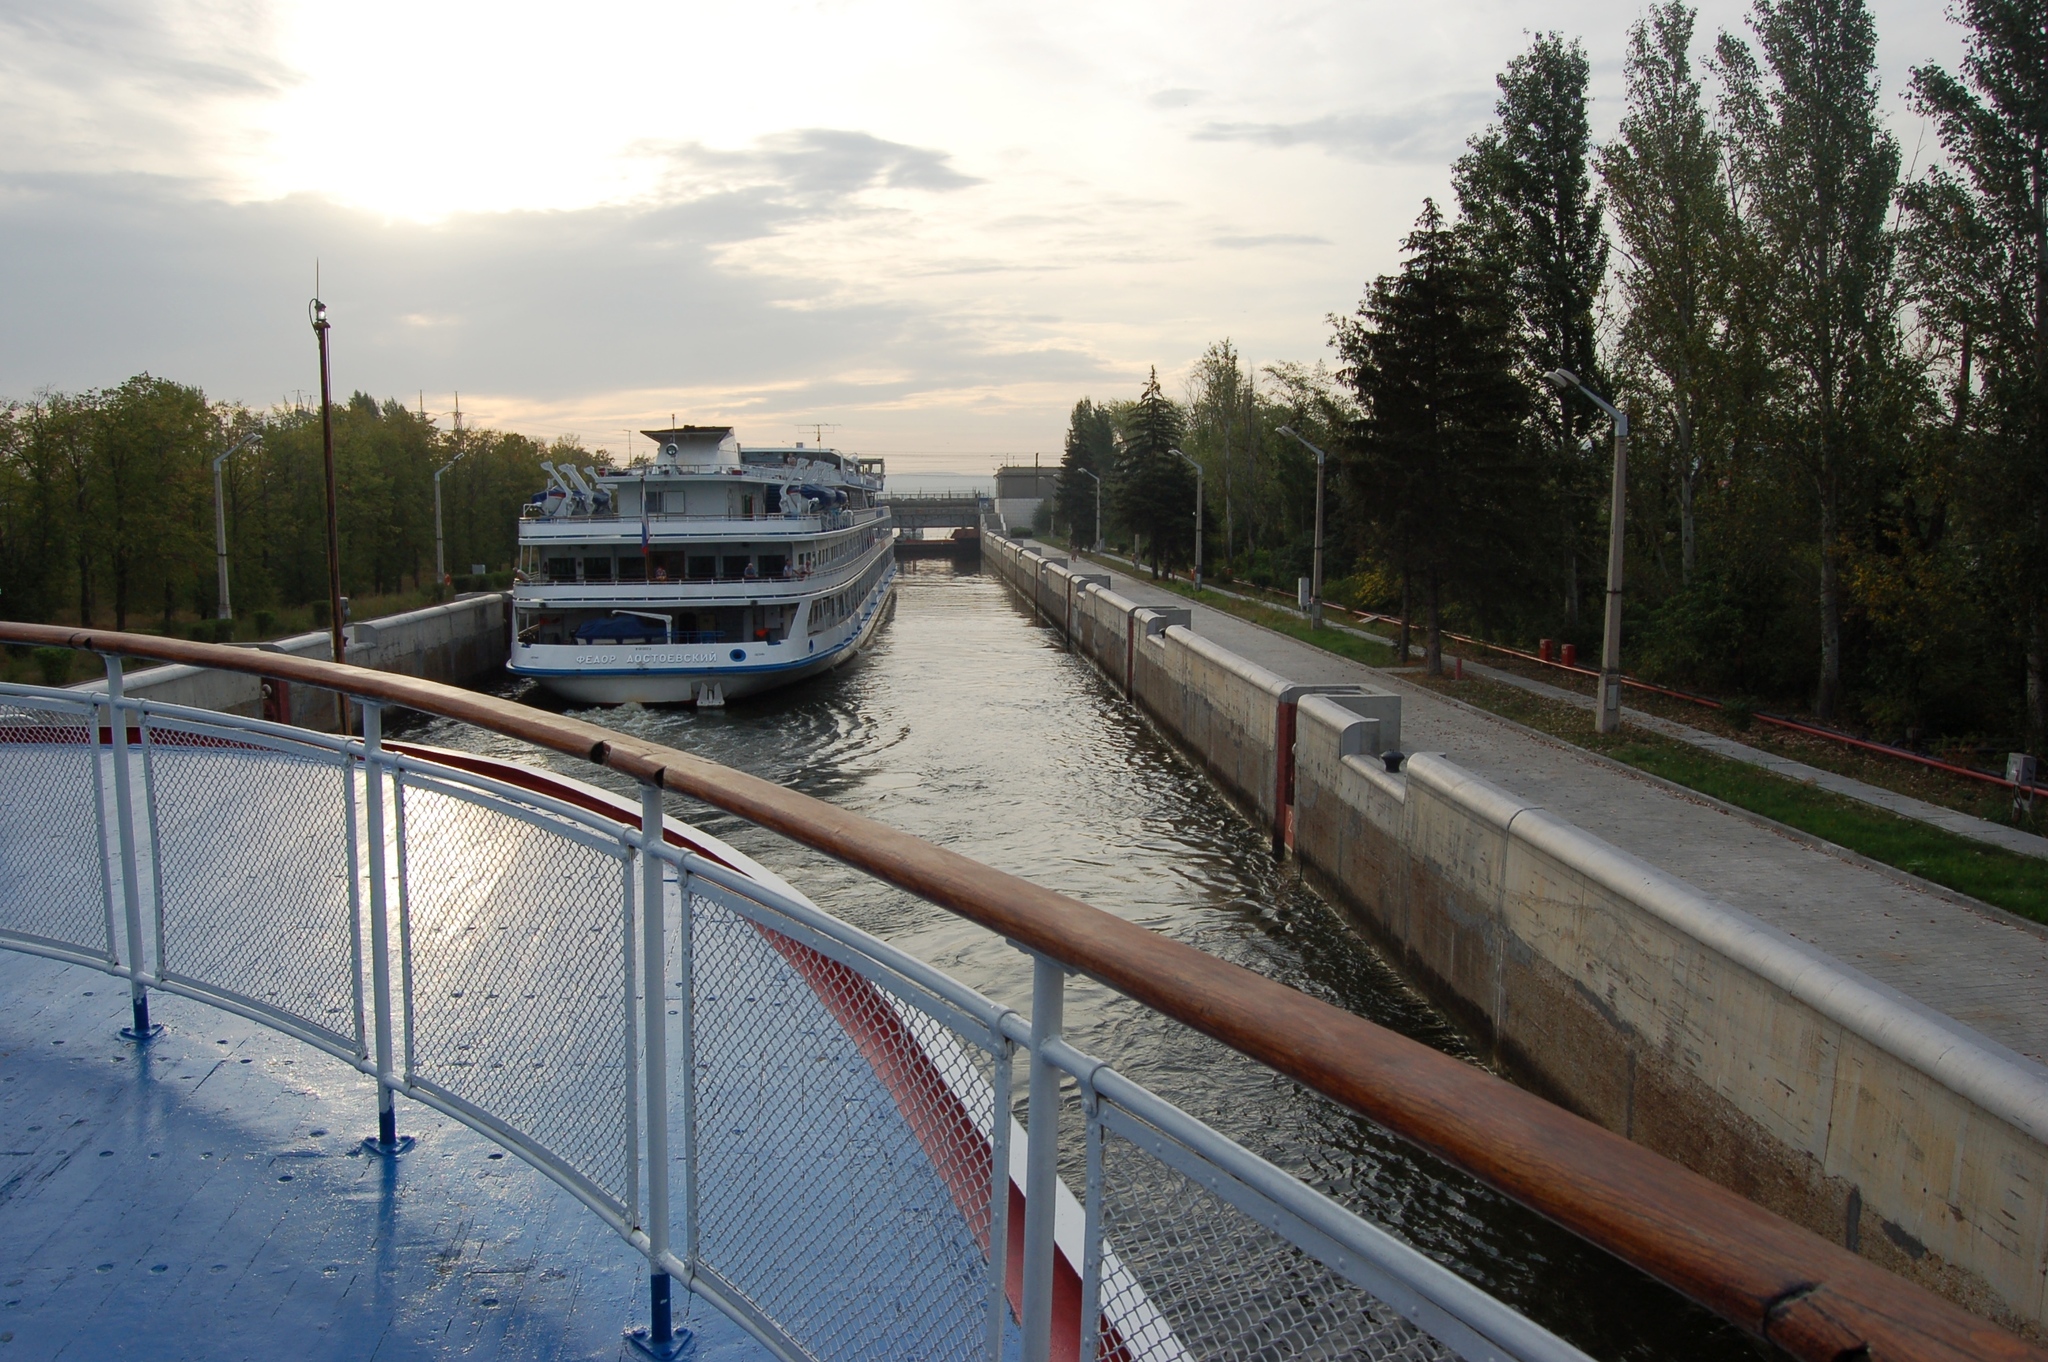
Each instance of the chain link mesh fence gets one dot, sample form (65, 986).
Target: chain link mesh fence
(1187, 1274)
(517, 994)
(254, 899)
(843, 1164)
(53, 871)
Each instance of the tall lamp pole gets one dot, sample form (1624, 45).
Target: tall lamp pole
(1198, 514)
(1098, 505)
(440, 558)
(318, 312)
(1607, 717)
(1315, 587)
(220, 520)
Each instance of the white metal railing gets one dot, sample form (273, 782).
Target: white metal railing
(618, 1001)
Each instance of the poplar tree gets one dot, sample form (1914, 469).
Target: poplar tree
(1977, 250)
(1526, 193)
(1817, 171)
(1436, 463)
(1663, 179)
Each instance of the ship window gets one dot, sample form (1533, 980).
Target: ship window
(653, 502)
(597, 569)
(703, 569)
(561, 569)
(747, 505)
(735, 566)
(771, 564)
(632, 569)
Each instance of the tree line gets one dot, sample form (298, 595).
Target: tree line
(107, 511)
(1835, 368)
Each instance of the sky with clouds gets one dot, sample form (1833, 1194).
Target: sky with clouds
(933, 225)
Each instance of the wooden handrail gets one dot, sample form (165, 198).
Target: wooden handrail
(1810, 1297)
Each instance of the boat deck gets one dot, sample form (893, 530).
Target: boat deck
(207, 1197)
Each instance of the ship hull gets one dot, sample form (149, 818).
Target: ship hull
(666, 675)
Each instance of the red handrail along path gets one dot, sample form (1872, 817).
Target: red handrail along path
(1812, 1298)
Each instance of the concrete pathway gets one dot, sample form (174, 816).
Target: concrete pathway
(1984, 968)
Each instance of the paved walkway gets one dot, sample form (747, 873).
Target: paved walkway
(1980, 967)
(1948, 820)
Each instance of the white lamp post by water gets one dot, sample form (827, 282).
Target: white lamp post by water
(220, 519)
(1315, 589)
(1098, 505)
(1198, 514)
(1607, 717)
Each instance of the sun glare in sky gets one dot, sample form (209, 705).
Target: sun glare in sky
(936, 225)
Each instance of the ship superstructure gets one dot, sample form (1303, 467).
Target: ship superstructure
(712, 571)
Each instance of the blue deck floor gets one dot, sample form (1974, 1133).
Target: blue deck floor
(206, 1197)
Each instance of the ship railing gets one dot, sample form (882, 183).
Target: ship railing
(805, 521)
(755, 1094)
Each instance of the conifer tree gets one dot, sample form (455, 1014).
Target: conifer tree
(1438, 464)
(1154, 492)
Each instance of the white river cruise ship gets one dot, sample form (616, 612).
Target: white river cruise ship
(715, 571)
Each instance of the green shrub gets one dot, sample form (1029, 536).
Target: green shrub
(266, 623)
(54, 664)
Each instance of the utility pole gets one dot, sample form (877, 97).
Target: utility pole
(1607, 715)
(440, 556)
(1315, 588)
(318, 312)
(1198, 514)
(220, 520)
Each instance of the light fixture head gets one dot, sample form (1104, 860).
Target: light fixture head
(1561, 379)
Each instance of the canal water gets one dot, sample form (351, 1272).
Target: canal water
(970, 725)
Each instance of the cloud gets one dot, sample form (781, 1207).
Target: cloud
(125, 84)
(1253, 243)
(809, 165)
(1174, 99)
(125, 273)
(1428, 132)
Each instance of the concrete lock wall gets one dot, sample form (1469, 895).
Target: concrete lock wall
(459, 642)
(1612, 988)
(1689, 1026)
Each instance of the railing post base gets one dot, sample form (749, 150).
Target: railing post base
(661, 1340)
(141, 1029)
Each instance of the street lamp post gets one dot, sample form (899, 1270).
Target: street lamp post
(1198, 514)
(339, 642)
(1607, 717)
(1315, 587)
(226, 611)
(1098, 505)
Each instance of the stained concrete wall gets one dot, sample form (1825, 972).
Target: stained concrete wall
(1688, 1025)
(1621, 992)
(460, 642)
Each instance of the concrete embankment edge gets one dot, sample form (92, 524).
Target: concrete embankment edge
(1609, 986)
(458, 642)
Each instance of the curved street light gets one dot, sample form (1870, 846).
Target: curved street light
(1098, 506)
(1198, 514)
(226, 610)
(1315, 589)
(1607, 716)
